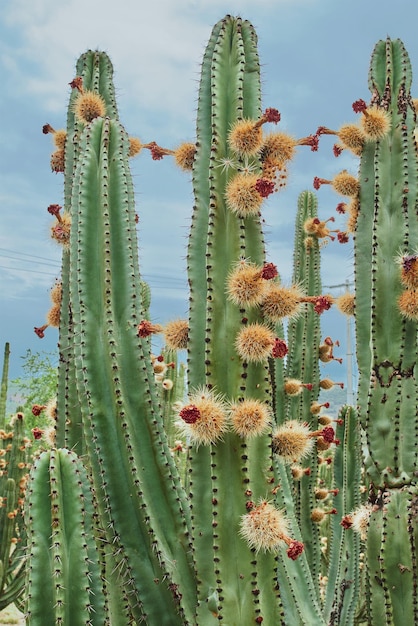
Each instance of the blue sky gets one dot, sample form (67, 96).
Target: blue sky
(314, 55)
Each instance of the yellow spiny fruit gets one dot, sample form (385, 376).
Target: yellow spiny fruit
(353, 210)
(205, 419)
(250, 418)
(135, 146)
(184, 156)
(245, 284)
(278, 147)
(245, 137)
(282, 302)
(292, 441)
(176, 334)
(409, 270)
(254, 343)
(56, 293)
(242, 196)
(60, 231)
(53, 316)
(375, 123)
(408, 304)
(346, 303)
(346, 184)
(352, 137)
(88, 105)
(59, 138)
(58, 160)
(264, 528)
(360, 518)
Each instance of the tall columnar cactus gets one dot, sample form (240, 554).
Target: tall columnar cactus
(4, 385)
(146, 516)
(386, 327)
(13, 474)
(382, 215)
(64, 575)
(94, 74)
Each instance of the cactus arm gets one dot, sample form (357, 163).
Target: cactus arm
(96, 71)
(12, 529)
(59, 533)
(392, 568)
(4, 384)
(343, 572)
(298, 588)
(229, 90)
(386, 342)
(115, 367)
(304, 336)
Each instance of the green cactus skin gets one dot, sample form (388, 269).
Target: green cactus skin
(4, 385)
(14, 463)
(304, 337)
(96, 71)
(141, 501)
(387, 227)
(63, 575)
(343, 574)
(12, 529)
(235, 584)
(391, 558)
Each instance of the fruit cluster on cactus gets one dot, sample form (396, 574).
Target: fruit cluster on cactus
(265, 519)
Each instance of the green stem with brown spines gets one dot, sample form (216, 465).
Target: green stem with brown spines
(128, 456)
(96, 71)
(386, 232)
(387, 227)
(63, 574)
(4, 385)
(304, 337)
(229, 90)
(343, 573)
(14, 458)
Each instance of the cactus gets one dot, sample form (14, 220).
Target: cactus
(13, 473)
(385, 313)
(249, 542)
(64, 571)
(383, 218)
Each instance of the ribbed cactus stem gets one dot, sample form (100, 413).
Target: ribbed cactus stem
(343, 574)
(391, 558)
(303, 337)
(386, 328)
(219, 238)
(4, 385)
(63, 574)
(387, 228)
(13, 473)
(95, 73)
(128, 449)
